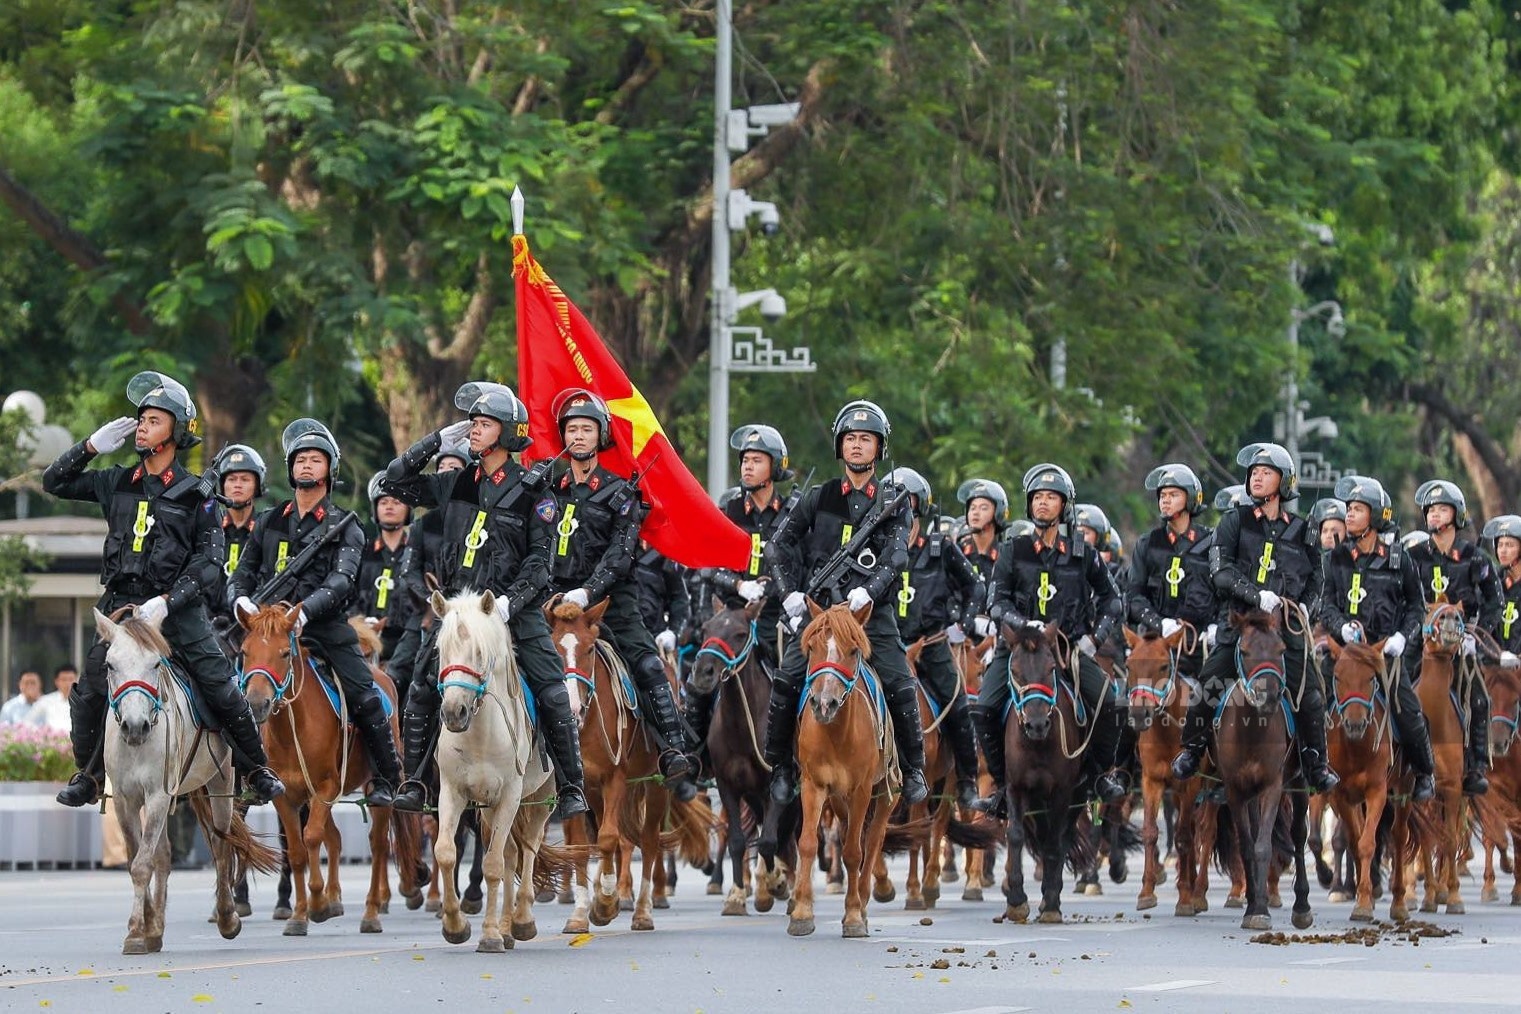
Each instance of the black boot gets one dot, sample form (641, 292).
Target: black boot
(990, 733)
(87, 733)
(903, 704)
(957, 728)
(1195, 737)
(1415, 742)
(781, 738)
(564, 737)
(699, 715)
(375, 730)
(675, 765)
(1310, 726)
(242, 734)
(1476, 758)
(1110, 754)
(416, 735)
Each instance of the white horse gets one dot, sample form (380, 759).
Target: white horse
(486, 757)
(153, 754)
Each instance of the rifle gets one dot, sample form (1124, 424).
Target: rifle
(785, 514)
(854, 555)
(277, 586)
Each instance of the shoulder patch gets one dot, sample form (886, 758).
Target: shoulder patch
(545, 509)
(628, 505)
(209, 506)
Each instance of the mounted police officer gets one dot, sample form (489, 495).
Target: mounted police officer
(595, 537)
(940, 589)
(1092, 525)
(163, 553)
(1261, 557)
(496, 537)
(1455, 568)
(1371, 592)
(821, 523)
(323, 588)
(755, 508)
(241, 477)
(421, 557)
(987, 518)
(1328, 523)
(1054, 576)
(379, 598)
(664, 605)
(1169, 575)
(1504, 535)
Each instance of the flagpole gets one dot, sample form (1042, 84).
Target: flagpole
(718, 346)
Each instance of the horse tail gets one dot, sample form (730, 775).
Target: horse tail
(248, 848)
(554, 864)
(1426, 830)
(1083, 854)
(692, 824)
(1493, 816)
(631, 810)
(979, 833)
(908, 835)
(1225, 836)
(406, 841)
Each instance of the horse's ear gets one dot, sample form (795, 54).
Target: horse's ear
(1175, 638)
(1008, 633)
(488, 602)
(813, 607)
(718, 605)
(292, 613)
(438, 603)
(753, 609)
(1131, 637)
(1378, 646)
(863, 614)
(104, 626)
(594, 614)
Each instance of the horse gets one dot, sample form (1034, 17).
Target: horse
(971, 658)
(1499, 810)
(735, 739)
(154, 752)
(486, 759)
(319, 762)
(1158, 708)
(1254, 752)
(1362, 752)
(1440, 825)
(621, 761)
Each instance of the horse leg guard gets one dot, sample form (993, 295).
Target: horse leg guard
(1476, 759)
(416, 734)
(903, 703)
(781, 736)
(564, 737)
(375, 730)
(242, 734)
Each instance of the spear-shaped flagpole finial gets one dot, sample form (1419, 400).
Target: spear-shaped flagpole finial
(517, 211)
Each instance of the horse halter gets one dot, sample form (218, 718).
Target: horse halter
(154, 693)
(280, 687)
(1021, 694)
(827, 668)
(1370, 700)
(731, 660)
(1160, 694)
(1264, 668)
(1436, 625)
(476, 684)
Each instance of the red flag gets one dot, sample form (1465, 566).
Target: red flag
(558, 349)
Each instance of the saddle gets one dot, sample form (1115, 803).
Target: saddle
(200, 713)
(623, 684)
(322, 669)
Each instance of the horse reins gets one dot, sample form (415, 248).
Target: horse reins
(732, 664)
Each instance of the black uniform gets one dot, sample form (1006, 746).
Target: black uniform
(1169, 579)
(663, 600)
(822, 522)
(1465, 575)
(379, 593)
(938, 588)
(164, 537)
(1066, 583)
(324, 588)
(236, 537)
(1507, 630)
(1381, 591)
(982, 563)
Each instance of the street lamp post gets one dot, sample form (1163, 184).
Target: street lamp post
(1294, 423)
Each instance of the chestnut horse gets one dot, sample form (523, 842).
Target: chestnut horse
(1499, 810)
(320, 761)
(1362, 752)
(971, 658)
(1158, 706)
(1440, 837)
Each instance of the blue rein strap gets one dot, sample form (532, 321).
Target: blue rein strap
(719, 649)
(831, 668)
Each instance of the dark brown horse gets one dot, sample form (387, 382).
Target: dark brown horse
(1043, 752)
(1255, 755)
(729, 665)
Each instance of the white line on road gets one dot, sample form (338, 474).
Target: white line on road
(1163, 987)
(990, 1010)
(1318, 962)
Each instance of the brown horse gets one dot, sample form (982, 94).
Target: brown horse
(1255, 754)
(319, 761)
(621, 759)
(844, 744)
(1362, 753)
(728, 664)
(1158, 704)
(1499, 810)
(1441, 834)
(971, 658)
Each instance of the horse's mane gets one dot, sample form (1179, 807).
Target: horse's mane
(269, 623)
(840, 623)
(369, 641)
(1256, 619)
(143, 633)
(1029, 639)
(471, 627)
(1362, 652)
(567, 611)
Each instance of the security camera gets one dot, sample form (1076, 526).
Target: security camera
(741, 207)
(1337, 324)
(773, 307)
(776, 115)
(770, 220)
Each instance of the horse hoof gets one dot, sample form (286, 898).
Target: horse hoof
(575, 926)
(384, 908)
(1184, 910)
(950, 875)
(602, 915)
(767, 902)
(1441, 897)
(1378, 892)
(661, 901)
(1303, 920)
(1234, 902)
(1489, 894)
(1338, 897)
(1256, 922)
(134, 945)
(1274, 901)
(1145, 901)
(1399, 913)
(1201, 905)
(736, 906)
(1119, 872)
(295, 928)
(369, 926)
(854, 930)
(833, 888)
(1050, 917)
(884, 892)
(715, 888)
(458, 936)
(1361, 914)
(281, 913)
(470, 906)
(642, 923)
(156, 944)
(489, 946)
(1093, 890)
(544, 897)
(1456, 908)
(414, 902)
(971, 894)
(1428, 906)
(434, 905)
(625, 904)
(334, 909)
(799, 927)
(525, 930)
(244, 909)
(914, 904)
(229, 929)
(1017, 913)
(565, 898)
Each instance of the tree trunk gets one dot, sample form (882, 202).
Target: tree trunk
(228, 392)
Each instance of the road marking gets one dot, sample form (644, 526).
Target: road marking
(1325, 961)
(990, 1010)
(218, 965)
(1163, 987)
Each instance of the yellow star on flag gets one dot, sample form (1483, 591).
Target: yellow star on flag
(639, 415)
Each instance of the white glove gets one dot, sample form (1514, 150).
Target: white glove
(1210, 633)
(858, 598)
(503, 608)
(954, 634)
(245, 605)
(576, 597)
(1352, 632)
(1268, 601)
(1470, 646)
(987, 658)
(1395, 645)
(665, 640)
(1170, 626)
(372, 622)
(1034, 625)
(751, 591)
(1508, 660)
(455, 433)
(795, 604)
(1086, 646)
(113, 434)
(153, 611)
(982, 626)
(300, 619)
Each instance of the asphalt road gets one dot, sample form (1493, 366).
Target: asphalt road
(60, 942)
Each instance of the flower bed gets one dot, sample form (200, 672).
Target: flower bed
(35, 831)
(30, 753)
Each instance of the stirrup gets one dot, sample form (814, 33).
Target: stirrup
(571, 802)
(1474, 782)
(996, 805)
(261, 785)
(410, 797)
(915, 789)
(380, 793)
(1423, 789)
(1109, 787)
(72, 794)
(1186, 764)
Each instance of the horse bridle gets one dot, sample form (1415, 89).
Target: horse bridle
(1021, 694)
(848, 679)
(154, 693)
(477, 684)
(731, 660)
(1245, 679)
(1160, 695)
(280, 687)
